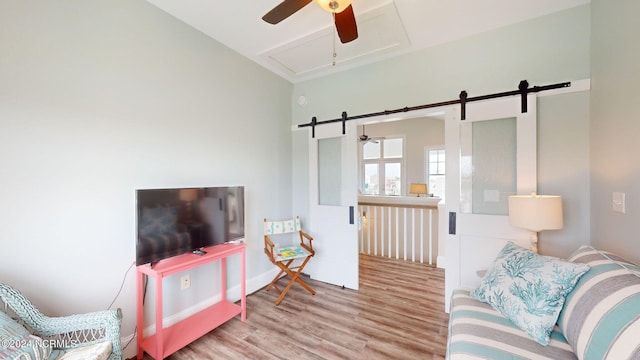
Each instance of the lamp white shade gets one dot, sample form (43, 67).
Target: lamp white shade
(331, 6)
(536, 212)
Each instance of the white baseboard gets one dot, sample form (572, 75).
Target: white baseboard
(131, 350)
(441, 262)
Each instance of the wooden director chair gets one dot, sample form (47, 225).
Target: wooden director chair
(283, 257)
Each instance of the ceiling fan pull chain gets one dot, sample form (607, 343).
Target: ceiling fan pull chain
(334, 42)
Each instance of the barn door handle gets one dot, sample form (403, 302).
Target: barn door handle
(452, 223)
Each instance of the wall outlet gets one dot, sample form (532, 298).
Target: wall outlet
(185, 282)
(618, 202)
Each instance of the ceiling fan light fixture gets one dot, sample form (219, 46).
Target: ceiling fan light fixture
(333, 6)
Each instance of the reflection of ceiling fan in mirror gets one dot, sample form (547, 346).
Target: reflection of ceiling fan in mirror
(342, 11)
(366, 138)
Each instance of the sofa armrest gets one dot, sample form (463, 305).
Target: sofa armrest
(66, 332)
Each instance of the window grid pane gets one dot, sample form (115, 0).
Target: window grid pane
(436, 162)
(392, 148)
(392, 179)
(436, 185)
(371, 150)
(382, 163)
(371, 179)
(436, 181)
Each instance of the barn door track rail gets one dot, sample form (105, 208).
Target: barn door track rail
(463, 99)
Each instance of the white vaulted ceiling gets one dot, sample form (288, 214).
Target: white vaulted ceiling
(301, 46)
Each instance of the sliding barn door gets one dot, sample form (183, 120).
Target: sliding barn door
(333, 204)
(490, 155)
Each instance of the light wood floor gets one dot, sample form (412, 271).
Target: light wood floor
(398, 313)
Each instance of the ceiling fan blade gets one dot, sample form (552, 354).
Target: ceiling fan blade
(284, 10)
(346, 25)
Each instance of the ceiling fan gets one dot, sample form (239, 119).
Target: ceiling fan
(342, 11)
(366, 138)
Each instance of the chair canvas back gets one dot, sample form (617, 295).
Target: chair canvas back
(282, 226)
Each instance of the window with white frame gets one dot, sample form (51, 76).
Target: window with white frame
(382, 167)
(435, 172)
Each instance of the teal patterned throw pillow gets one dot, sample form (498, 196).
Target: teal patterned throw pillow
(529, 289)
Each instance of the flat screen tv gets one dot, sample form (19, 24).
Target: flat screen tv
(171, 222)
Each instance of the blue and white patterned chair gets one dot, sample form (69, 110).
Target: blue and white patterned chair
(26, 333)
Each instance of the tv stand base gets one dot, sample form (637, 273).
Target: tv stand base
(168, 340)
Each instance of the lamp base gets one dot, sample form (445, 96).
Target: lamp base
(534, 242)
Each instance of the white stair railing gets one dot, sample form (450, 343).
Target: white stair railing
(406, 232)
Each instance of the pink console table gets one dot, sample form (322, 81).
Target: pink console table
(166, 341)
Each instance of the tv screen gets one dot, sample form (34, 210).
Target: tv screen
(171, 222)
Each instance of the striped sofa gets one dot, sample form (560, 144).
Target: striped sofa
(600, 318)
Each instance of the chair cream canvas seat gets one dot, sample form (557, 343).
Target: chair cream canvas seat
(285, 257)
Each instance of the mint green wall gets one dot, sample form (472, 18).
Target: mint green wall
(99, 98)
(545, 50)
(563, 167)
(615, 127)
